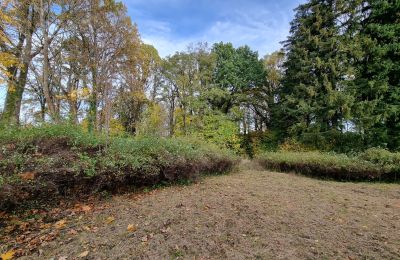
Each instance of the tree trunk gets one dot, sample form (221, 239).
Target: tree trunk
(46, 67)
(17, 82)
(92, 113)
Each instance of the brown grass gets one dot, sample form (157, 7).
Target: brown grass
(250, 214)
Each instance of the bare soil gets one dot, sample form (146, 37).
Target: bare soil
(250, 214)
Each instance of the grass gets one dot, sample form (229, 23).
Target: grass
(52, 160)
(371, 165)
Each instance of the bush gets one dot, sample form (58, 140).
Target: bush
(332, 166)
(50, 161)
(387, 160)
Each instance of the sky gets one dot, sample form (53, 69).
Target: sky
(171, 25)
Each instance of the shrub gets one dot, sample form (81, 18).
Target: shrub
(331, 166)
(387, 160)
(50, 161)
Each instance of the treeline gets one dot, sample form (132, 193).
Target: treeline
(69, 60)
(335, 85)
(342, 75)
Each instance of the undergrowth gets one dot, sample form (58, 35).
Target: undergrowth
(61, 160)
(372, 165)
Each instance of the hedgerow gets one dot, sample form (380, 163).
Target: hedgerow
(371, 165)
(55, 160)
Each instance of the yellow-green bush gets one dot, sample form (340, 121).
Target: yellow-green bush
(367, 166)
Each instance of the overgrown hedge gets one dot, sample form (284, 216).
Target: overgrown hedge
(54, 161)
(371, 165)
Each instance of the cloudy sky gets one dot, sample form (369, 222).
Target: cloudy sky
(171, 25)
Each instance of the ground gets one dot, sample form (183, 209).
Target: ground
(251, 213)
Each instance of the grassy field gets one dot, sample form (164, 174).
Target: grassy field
(248, 214)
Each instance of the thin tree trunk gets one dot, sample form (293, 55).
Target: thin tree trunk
(17, 82)
(46, 67)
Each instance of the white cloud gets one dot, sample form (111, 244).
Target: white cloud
(259, 35)
(165, 44)
(258, 25)
(259, 32)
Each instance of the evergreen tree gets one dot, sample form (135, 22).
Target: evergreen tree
(314, 94)
(378, 79)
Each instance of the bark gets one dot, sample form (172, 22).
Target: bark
(17, 82)
(46, 67)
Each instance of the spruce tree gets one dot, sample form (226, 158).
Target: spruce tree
(377, 84)
(314, 95)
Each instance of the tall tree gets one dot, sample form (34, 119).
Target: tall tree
(377, 84)
(17, 26)
(237, 74)
(314, 93)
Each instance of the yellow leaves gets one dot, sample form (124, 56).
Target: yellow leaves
(139, 95)
(83, 254)
(8, 255)
(131, 228)
(110, 220)
(85, 92)
(116, 128)
(11, 88)
(86, 208)
(60, 224)
(5, 16)
(82, 208)
(6, 60)
(76, 94)
(27, 176)
(73, 95)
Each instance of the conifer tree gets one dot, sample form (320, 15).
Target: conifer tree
(377, 84)
(314, 94)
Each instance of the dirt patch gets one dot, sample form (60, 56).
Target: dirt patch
(250, 214)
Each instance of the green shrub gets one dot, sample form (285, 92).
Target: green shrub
(331, 166)
(66, 160)
(387, 160)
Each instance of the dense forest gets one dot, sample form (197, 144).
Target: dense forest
(333, 86)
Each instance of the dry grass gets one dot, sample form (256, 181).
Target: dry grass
(249, 214)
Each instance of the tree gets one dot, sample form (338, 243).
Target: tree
(315, 95)
(239, 81)
(139, 77)
(181, 75)
(377, 84)
(17, 26)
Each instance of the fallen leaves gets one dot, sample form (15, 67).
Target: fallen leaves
(131, 228)
(110, 220)
(27, 176)
(60, 224)
(145, 239)
(72, 232)
(30, 229)
(8, 255)
(83, 254)
(78, 208)
(86, 208)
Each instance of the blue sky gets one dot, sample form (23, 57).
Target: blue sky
(171, 25)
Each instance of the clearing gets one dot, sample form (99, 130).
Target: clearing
(248, 214)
